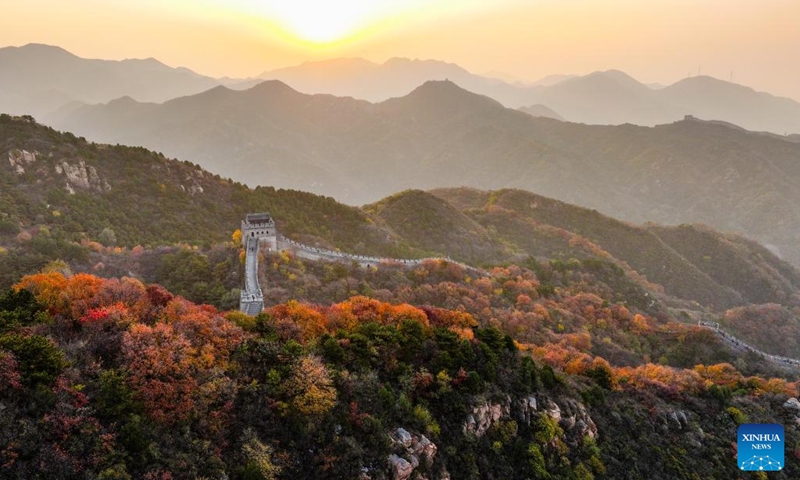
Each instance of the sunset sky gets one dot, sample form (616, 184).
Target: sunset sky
(653, 40)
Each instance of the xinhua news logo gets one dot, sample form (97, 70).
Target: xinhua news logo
(760, 447)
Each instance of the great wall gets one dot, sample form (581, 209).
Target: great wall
(738, 344)
(258, 227)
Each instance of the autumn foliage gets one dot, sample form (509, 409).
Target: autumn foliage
(124, 380)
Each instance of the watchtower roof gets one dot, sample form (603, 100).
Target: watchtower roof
(258, 218)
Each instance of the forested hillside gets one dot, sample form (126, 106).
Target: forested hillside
(117, 379)
(60, 192)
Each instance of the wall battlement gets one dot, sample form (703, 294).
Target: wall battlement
(739, 344)
(259, 228)
(255, 228)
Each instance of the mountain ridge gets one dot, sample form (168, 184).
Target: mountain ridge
(39, 86)
(441, 135)
(34, 69)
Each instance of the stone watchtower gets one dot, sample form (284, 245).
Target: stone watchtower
(255, 227)
(260, 225)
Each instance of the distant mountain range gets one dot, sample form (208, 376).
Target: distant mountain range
(441, 135)
(604, 98)
(39, 79)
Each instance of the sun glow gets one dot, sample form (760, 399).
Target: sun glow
(329, 21)
(325, 21)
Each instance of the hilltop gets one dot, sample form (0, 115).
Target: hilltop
(689, 261)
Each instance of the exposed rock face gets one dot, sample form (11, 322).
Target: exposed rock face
(792, 404)
(678, 421)
(570, 414)
(484, 416)
(194, 186)
(402, 437)
(401, 468)
(81, 177)
(551, 409)
(19, 158)
(526, 409)
(424, 449)
(411, 452)
(575, 420)
(674, 420)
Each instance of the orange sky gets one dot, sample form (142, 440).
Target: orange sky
(653, 40)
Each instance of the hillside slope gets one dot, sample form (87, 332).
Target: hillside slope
(430, 223)
(58, 189)
(690, 262)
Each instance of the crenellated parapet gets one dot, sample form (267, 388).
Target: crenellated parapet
(741, 345)
(259, 226)
(256, 228)
(315, 253)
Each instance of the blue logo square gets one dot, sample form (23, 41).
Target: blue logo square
(760, 447)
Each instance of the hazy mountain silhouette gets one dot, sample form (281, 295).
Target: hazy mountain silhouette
(710, 98)
(611, 97)
(540, 110)
(605, 98)
(359, 78)
(550, 80)
(37, 79)
(442, 136)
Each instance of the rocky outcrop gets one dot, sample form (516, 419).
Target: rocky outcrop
(792, 404)
(484, 416)
(401, 468)
(401, 437)
(526, 409)
(194, 186)
(575, 419)
(675, 420)
(411, 452)
(551, 409)
(424, 449)
(679, 421)
(81, 177)
(571, 415)
(19, 159)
